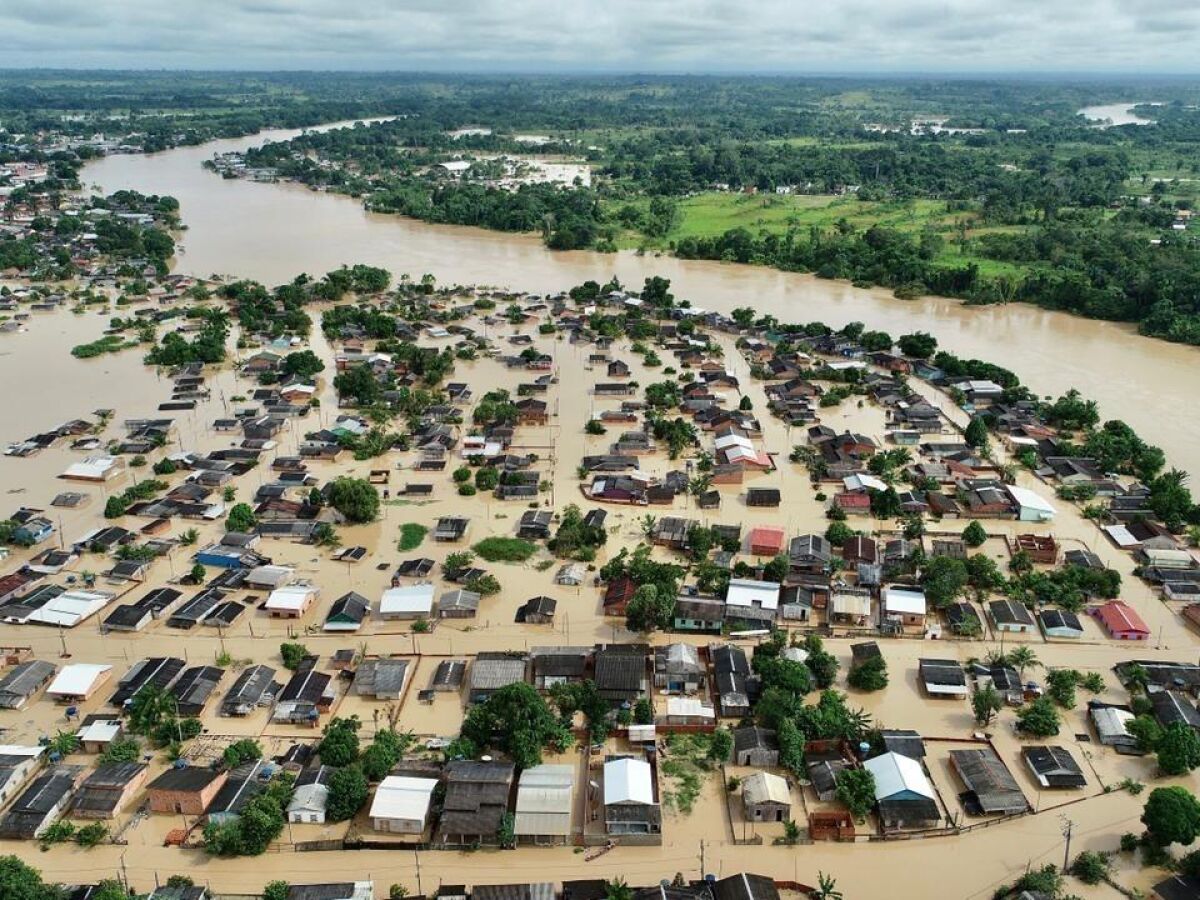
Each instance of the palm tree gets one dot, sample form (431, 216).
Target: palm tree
(647, 524)
(826, 888)
(1022, 658)
(617, 889)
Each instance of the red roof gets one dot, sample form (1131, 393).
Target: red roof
(853, 500)
(765, 540)
(1121, 619)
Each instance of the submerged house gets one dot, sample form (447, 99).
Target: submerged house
(41, 804)
(630, 801)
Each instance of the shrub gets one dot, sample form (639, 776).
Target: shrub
(505, 549)
(411, 535)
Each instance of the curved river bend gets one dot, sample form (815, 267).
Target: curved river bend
(272, 232)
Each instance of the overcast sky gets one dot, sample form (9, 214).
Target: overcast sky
(1131, 36)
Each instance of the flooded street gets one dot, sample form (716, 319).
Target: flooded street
(272, 232)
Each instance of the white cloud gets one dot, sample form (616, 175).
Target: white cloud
(623, 35)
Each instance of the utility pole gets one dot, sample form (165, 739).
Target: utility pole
(1067, 826)
(702, 859)
(417, 857)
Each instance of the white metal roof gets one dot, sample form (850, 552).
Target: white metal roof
(910, 601)
(1028, 499)
(748, 592)
(1121, 536)
(403, 797)
(1111, 721)
(70, 608)
(77, 679)
(628, 781)
(102, 731)
(94, 467)
(271, 576)
(412, 598)
(894, 774)
(864, 482)
(546, 789)
(21, 750)
(292, 597)
(689, 707)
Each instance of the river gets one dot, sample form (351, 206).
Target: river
(1109, 114)
(272, 232)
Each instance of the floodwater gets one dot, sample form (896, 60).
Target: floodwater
(271, 232)
(1109, 114)
(274, 231)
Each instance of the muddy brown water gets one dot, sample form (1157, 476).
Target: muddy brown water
(280, 241)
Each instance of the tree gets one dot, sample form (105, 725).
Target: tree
(339, 746)
(976, 434)
(720, 748)
(276, 890)
(974, 534)
(584, 697)
(826, 888)
(986, 702)
(21, 882)
(1178, 749)
(869, 675)
(516, 721)
(791, 747)
(1039, 718)
(292, 654)
(303, 363)
(822, 663)
(241, 518)
(1022, 657)
(348, 789)
(115, 506)
(243, 751)
(384, 752)
(944, 579)
(856, 789)
(354, 498)
(918, 345)
(648, 610)
(1171, 816)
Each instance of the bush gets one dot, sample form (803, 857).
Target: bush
(1090, 867)
(504, 549)
(241, 518)
(462, 474)
(339, 745)
(291, 653)
(870, 675)
(595, 426)
(974, 534)
(466, 489)
(411, 535)
(1039, 718)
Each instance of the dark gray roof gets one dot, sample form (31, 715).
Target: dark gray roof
(986, 776)
(754, 738)
(250, 687)
(189, 778)
(903, 741)
(1056, 765)
(24, 680)
(195, 686)
(159, 672)
(744, 886)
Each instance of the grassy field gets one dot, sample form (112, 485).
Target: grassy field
(712, 214)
